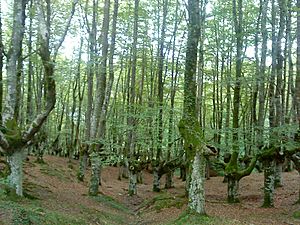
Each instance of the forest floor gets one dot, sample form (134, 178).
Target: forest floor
(54, 196)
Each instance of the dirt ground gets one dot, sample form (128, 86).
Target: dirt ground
(59, 189)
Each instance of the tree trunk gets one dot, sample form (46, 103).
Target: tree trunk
(232, 167)
(140, 179)
(297, 86)
(156, 180)
(233, 188)
(125, 170)
(92, 33)
(15, 178)
(132, 190)
(196, 189)
(98, 125)
(261, 76)
(278, 175)
(95, 176)
(160, 88)
(169, 180)
(131, 121)
(169, 176)
(1, 67)
(269, 178)
(29, 110)
(83, 164)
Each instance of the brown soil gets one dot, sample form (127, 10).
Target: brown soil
(58, 189)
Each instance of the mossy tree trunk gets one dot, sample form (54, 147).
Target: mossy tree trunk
(233, 172)
(12, 140)
(174, 74)
(135, 168)
(156, 179)
(91, 65)
(83, 161)
(297, 86)
(269, 179)
(130, 146)
(278, 175)
(169, 180)
(132, 188)
(233, 189)
(189, 126)
(95, 176)
(160, 99)
(140, 179)
(296, 160)
(233, 178)
(297, 156)
(1, 67)
(125, 170)
(99, 120)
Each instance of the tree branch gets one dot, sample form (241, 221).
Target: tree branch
(61, 40)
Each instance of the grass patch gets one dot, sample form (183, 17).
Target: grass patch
(102, 217)
(165, 200)
(17, 210)
(54, 172)
(110, 202)
(296, 215)
(24, 213)
(193, 218)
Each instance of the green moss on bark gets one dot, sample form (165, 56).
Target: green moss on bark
(190, 131)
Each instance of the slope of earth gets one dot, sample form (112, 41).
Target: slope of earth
(54, 196)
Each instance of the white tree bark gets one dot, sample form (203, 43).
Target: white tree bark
(196, 190)
(14, 54)
(16, 177)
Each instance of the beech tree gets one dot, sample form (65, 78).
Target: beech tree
(189, 126)
(13, 138)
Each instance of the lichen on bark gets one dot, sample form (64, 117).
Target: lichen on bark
(196, 190)
(269, 180)
(132, 190)
(95, 176)
(196, 150)
(15, 161)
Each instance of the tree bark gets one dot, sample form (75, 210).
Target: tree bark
(98, 125)
(233, 188)
(269, 178)
(95, 176)
(232, 166)
(297, 86)
(131, 121)
(1, 66)
(15, 178)
(196, 189)
(11, 142)
(132, 189)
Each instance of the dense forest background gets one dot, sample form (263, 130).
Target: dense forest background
(124, 83)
